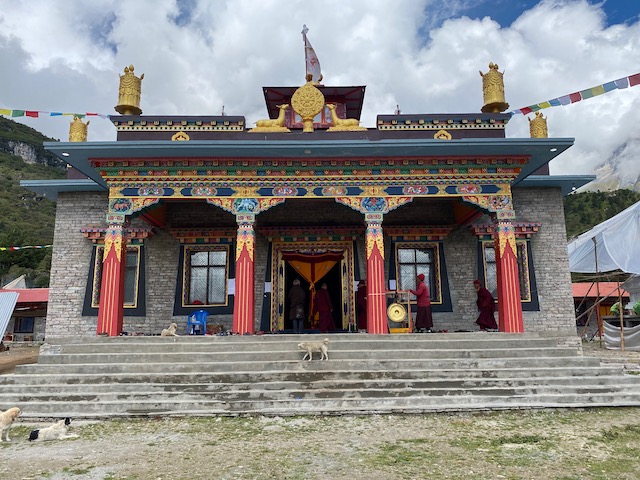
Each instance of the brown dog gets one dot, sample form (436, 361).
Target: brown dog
(310, 347)
(6, 420)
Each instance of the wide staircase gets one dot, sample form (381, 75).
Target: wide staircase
(365, 374)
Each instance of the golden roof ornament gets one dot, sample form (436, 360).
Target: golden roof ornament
(129, 93)
(307, 101)
(78, 130)
(493, 90)
(272, 125)
(343, 124)
(538, 126)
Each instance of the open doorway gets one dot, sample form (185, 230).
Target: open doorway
(333, 279)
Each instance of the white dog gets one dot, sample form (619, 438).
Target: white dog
(170, 331)
(6, 420)
(310, 347)
(57, 431)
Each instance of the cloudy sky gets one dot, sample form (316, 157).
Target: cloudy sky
(423, 55)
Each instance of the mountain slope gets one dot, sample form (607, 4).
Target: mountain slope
(25, 219)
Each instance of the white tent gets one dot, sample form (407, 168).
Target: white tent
(615, 241)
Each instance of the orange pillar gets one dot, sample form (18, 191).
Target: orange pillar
(509, 304)
(376, 298)
(111, 309)
(244, 300)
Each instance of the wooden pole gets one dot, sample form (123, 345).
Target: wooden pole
(621, 312)
(598, 316)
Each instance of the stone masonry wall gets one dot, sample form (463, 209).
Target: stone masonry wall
(70, 263)
(72, 255)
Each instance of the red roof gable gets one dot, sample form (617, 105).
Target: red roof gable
(589, 290)
(31, 295)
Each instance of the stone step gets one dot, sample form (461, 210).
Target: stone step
(25, 392)
(307, 376)
(335, 406)
(290, 342)
(293, 354)
(316, 365)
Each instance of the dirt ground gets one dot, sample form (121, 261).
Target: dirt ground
(559, 444)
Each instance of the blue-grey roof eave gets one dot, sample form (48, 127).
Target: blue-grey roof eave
(540, 150)
(51, 188)
(567, 183)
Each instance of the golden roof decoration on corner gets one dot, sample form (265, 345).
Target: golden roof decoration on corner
(78, 130)
(538, 126)
(129, 93)
(493, 90)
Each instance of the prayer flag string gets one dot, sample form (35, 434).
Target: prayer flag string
(40, 113)
(3, 249)
(630, 81)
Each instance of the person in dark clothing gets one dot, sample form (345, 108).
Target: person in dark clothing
(324, 308)
(361, 302)
(296, 306)
(424, 320)
(486, 307)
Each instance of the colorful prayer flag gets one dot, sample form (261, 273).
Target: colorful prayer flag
(31, 113)
(17, 113)
(4, 111)
(634, 80)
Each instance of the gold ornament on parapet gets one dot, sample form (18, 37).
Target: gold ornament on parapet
(442, 135)
(180, 137)
(78, 130)
(307, 101)
(343, 124)
(272, 125)
(538, 126)
(493, 90)
(129, 93)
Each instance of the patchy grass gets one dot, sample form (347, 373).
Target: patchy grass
(596, 444)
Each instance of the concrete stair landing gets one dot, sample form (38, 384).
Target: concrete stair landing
(238, 375)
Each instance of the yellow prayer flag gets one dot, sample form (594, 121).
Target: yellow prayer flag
(4, 111)
(599, 90)
(544, 105)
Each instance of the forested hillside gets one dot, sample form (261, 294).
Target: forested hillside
(585, 210)
(25, 219)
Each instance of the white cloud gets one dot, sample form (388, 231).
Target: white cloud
(68, 55)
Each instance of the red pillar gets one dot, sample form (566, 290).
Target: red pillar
(376, 298)
(244, 300)
(111, 309)
(509, 304)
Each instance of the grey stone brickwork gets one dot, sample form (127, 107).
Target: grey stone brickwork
(72, 255)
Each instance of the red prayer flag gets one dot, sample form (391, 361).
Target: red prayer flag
(634, 79)
(526, 110)
(31, 113)
(575, 97)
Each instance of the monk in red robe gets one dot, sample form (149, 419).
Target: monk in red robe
(424, 320)
(361, 302)
(486, 307)
(324, 308)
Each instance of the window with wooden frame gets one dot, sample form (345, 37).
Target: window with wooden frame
(23, 325)
(413, 259)
(131, 276)
(205, 275)
(525, 268)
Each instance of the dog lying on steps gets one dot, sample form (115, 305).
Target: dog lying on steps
(57, 431)
(310, 347)
(6, 420)
(170, 331)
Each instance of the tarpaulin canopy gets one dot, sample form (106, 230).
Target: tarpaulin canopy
(615, 243)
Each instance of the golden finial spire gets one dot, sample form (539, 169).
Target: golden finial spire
(538, 126)
(493, 90)
(78, 130)
(129, 94)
